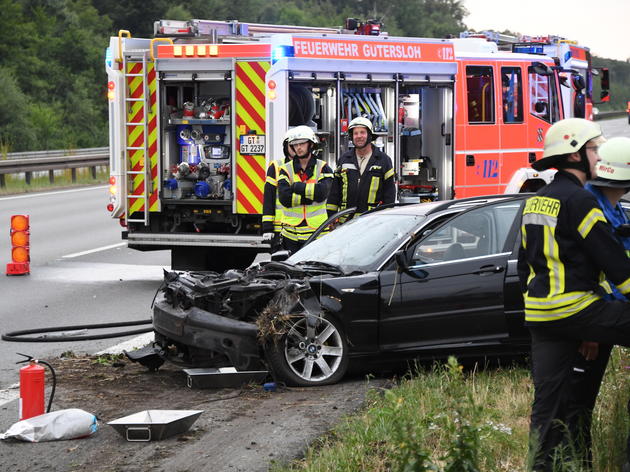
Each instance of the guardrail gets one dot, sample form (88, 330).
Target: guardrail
(606, 115)
(37, 161)
(29, 162)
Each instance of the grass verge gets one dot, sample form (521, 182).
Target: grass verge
(450, 420)
(16, 184)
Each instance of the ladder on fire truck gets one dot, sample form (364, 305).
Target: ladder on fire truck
(132, 57)
(233, 30)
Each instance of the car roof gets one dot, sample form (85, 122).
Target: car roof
(429, 208)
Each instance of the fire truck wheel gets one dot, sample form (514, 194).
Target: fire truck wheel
(309, 355)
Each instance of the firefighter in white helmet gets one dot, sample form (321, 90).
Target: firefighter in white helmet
(566, 244)
(272, 208)
(364, 177)
(303, 187)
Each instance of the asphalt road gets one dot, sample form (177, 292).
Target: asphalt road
(81, 272)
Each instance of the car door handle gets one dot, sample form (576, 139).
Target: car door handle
(489, 269)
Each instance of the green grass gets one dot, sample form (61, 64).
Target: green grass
(15, 184)
(450, 420)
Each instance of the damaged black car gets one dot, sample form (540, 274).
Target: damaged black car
(416, 281)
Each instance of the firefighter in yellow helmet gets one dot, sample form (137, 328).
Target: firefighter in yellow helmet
(566, 244)
(272, 208)
(364, 177)
(303, 187)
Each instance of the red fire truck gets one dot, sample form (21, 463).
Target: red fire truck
(198, 112)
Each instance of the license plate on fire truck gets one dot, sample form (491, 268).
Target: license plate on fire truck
(252, 144)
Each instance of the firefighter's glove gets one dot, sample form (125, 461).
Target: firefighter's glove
(268, 237)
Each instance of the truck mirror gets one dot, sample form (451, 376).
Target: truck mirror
(540, 107)
(578, 82)
(540, 69)
(605, 79)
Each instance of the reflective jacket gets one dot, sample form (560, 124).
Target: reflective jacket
(304, 201)
(272, 208)
(351, 189)
(567, 250)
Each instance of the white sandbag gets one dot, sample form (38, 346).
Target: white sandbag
(57, 425)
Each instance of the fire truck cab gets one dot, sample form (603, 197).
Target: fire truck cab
(505, 103)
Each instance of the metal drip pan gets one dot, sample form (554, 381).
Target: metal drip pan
(153, 425)
(222, 377)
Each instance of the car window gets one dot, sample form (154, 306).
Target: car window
(476, 233)
(362, 242)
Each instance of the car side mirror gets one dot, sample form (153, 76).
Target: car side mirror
(280, 256)
(540, 107)
(402, 258)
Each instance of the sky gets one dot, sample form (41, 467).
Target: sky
(601, 25)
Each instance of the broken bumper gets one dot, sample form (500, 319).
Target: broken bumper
(203, 330)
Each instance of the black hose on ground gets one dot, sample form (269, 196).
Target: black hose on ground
(54, 384)
(20, 336)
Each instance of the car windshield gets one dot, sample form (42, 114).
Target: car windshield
(360, 243)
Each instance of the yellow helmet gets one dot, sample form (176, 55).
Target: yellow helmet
(564, 137)
(613, 169)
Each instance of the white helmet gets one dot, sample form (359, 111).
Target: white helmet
(285, 143)
(564, 137)
(360, 121)
(613, 170)
(301, 134)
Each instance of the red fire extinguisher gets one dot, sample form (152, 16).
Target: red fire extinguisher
(32, 383)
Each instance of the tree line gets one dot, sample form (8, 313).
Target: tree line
(52, 73)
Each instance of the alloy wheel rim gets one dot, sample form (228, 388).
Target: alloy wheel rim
(313, 353)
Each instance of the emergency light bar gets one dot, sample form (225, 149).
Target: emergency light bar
(528, 49)
(278, 52)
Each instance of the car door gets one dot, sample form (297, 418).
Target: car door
(453, 291)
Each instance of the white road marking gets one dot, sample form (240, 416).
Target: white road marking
(135, 343)
(90, 251)
(7, 395)
(58, 192)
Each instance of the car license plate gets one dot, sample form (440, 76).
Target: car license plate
(252, 144)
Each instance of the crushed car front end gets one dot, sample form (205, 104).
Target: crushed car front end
(209, 319)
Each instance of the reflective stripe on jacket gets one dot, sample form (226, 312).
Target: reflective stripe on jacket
(351, 189)
(567, 247)
(272, 208)
(304, 202)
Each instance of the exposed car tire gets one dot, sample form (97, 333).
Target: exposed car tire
(310, 355)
